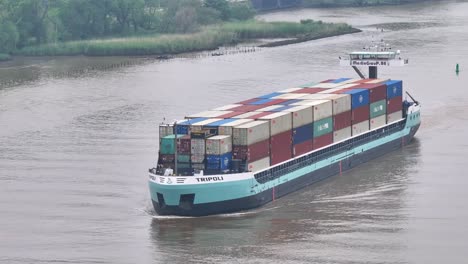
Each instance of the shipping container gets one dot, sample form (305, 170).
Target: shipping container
(308, 85)
(261, 101)
(167, 145)
(360, 114)
(323, 140)
(246, 108)
(359, 97)
(208, 114)
(342, 134)
(183, 145)
(249, 133)
(260, 115)
(378, 108)
(320, 108)
(226, 107)
(252, 152)
(342, 120)
(226, 128)
(284, 108)
(394, 116)
(218, 145)
(301, 115)
(363, 80)
(394, 89)
(182, 158)
(166, 130)
(290, 96)
(247, 115)
(183, 127)
(347, 86)
(269, 108)
(331, 91)
(167, 158)
(290, 102)
(340, 80)
(197, 158)
(323, 126)
(221, 162)
(309, 90)
(279, 122)
(395, 104)
(220, 122)
(259, 165)
(245, 102)
(303, 133)
(198, 126)
(302, 148)
(378, 121)
(377, 92)
(280, 147)
(325, 85)
(231, 114)
(290, 90)
(377, 81)
(360, 128)
(272, 101)
(271, 95)
(197, 146)
(340, 102)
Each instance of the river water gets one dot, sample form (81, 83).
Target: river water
(78, 134)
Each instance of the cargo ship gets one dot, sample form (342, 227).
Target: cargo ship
(244, 155)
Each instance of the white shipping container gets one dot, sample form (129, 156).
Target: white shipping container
(250, 133)
(218, 145)
(269, 108)
(226, 107)
(341, 102)
(320, 108)
(197, 158)
(360, 128)
(197, 146)
(351, 81)
(347, 85)
(290, 96)
(378, 121)
(279, 122)
(378, 81)
(290, 90)
(247, 115)
(326, 85)
(315, 96)
(226, 128)
(166, 130)
(301, 115)
(259, 165)
(394, 117)
(209, 114)
(330, 91)
(342, 134)
(198, 126)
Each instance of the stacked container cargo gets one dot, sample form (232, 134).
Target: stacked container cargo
(302, 129)
(360, 112)
(280, 136)
(219, 153)
(251, 144)
(377, 102)
(394, 100)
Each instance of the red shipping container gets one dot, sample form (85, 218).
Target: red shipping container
(260, 115)
(281, 147)
(310, 90)
(360, 114)
(377, 91)
(248, 101)
(323, 141)
(342, 120)
(183, 145)
(327, 81)
(251, 153)
(303, 148)
(340, 91)
(363, 80)
(246, 108)
(274, 102)
(395, 104)
(229, 115)
(167, 158)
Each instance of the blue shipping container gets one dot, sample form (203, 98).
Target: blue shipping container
(261, 101)
(359, 97)
(183, 127)
(394, 88)
(220, 122)
(303, 133)
(221, 162)
(268, 96)
(341, 80)
(286, 107)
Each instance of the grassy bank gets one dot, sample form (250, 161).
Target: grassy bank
(4, 57)
(208, 38)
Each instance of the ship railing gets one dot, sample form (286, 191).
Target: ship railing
(301, 162)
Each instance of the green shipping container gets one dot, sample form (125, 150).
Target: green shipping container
(167, 144)
(183, 158)
(183, 165)
(323, 126)
(378, 108)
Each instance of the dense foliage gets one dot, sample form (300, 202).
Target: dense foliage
(33, 22)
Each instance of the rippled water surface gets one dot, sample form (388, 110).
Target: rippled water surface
(78, 134)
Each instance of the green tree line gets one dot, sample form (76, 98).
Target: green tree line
(34, 22)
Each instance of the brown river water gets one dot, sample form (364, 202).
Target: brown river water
(77, 136)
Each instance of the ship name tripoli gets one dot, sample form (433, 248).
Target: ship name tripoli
(209, 179)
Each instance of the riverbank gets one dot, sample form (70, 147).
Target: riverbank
(209, 38)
